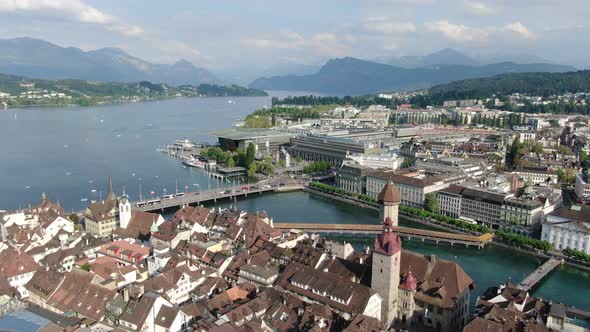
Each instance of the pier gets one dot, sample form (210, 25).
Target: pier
(541, 272)
(405, 232)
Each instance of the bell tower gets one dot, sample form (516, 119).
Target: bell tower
(387, 250)
(124, 210)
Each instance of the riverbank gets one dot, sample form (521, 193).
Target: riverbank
(450, 228)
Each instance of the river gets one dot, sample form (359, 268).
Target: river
(70, 153)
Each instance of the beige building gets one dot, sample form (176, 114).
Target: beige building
(412, 185)
(101, 217)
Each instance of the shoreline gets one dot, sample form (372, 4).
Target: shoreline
(110, 103)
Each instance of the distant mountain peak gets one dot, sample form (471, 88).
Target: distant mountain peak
(351, 76)
(183, 63)
(41, 59)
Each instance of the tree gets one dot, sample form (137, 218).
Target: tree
(240, 157)
(516, 152)
(252, 170)
(86, 267)
(298, 159)
(565, 150)
(537, 148)
(250, 155)
(407, 163)
(583, 157)
(231, 162)
(431, 203)
(282, 162)
(74, 218)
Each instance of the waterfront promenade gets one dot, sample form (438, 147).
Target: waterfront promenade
(408, 233)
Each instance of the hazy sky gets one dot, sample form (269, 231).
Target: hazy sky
(220, 34)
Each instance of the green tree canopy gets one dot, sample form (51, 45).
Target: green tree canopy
(431, 203)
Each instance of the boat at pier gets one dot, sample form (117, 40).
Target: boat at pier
(193, 162)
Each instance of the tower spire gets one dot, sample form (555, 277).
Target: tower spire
(111, 194)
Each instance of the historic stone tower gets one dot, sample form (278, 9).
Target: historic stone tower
(124, 211)
(389, 199)
(387, 255)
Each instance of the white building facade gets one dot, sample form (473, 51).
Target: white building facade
(568, 227)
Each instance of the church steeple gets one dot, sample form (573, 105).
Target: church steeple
(111, 194)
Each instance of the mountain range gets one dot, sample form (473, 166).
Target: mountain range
(351, 76)
(41, 59)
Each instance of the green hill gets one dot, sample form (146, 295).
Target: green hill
(21, 91)
(537, 84)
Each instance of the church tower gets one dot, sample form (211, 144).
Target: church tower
(124, 210)
(389, 199)
(387, 250)
(111, 194)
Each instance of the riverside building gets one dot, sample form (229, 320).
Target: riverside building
(568, 227)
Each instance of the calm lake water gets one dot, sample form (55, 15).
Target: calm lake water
(70, 153)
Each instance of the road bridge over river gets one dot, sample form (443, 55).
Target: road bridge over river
(405, 232)
(203, 196)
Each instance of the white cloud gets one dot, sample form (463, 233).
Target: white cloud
(285, 40)
(74, 10)
(456, 32)
(463, 33)
(519, 29)
(322, 43)
(388, 27)
(479, 8)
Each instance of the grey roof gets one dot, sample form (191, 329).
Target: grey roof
(247, 133)
(263, 272)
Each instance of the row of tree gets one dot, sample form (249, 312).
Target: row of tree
(420, 213)
(522, 240)
(577, 254)
(358, 101)
(341, 192)
(318, 166)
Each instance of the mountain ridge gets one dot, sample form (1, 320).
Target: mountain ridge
(38, 58)
(351, 76)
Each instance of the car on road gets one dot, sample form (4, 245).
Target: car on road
(244, 188)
